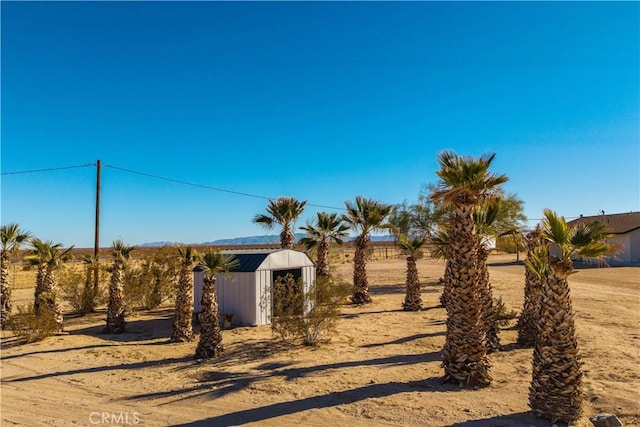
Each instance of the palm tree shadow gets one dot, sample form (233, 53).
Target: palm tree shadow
(179, 361)
(157, 326)
(265, 413)
(404, 339)
(520, 419)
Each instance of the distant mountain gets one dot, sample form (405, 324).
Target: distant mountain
(159, 244)
(253, 240)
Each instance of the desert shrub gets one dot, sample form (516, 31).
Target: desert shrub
(30, 327)
(503, 315)
(78, 288)
(302, 316)
(152, 281)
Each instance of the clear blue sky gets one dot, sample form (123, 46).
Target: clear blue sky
(321, 101)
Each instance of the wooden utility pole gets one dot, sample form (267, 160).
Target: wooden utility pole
(96, 248)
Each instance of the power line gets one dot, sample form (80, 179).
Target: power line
(207, 187)
(48, 169)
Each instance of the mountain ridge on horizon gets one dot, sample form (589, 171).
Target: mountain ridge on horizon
(250, 240)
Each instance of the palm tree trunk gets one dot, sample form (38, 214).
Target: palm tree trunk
(38, 294)
(465, 355)
(556, 386)
(413, 297)
(116, 310)
(360, 282)
(5, 289)
(90, 291)
(50, 297)
(532, 295)
(182, 323)
(489, 318)
(286, 238)
(445, 296)
(322, 259)
(210, 343)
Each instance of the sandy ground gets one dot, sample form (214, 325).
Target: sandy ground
(382, 367)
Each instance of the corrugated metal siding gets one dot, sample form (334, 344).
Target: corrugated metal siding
(308, 278)
(236, 297)
(198, 282)
(263, 308)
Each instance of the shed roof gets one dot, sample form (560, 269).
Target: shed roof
(618, 223)
(252, 259)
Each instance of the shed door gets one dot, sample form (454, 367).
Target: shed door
(287, 300)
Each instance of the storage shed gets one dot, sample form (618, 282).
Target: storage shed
(247, 293)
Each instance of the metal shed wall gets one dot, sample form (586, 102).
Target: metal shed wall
(247, 295)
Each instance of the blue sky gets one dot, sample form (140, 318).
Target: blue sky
(321, 101)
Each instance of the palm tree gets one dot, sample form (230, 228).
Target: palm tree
(90, 291)
(413, 247)
(465, 183)
(365, 216)
(283, 211)
(484, 218)
(121, 253)
(182, 323)
(439, 244)
(11, 237)
(210, 343)
(532, 291)
(48, 257)
(328, 228)
(556, 385)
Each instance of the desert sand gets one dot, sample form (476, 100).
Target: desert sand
(381, 368)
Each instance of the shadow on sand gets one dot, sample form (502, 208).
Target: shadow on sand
(265, 413)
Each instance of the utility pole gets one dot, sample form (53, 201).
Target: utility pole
(96, 248)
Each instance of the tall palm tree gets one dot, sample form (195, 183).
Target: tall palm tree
(413, 248)
(556, 385)
(465, 183)
(327, 229)
(484, 218)
(210, 343)
(182, 323)
(527, 322)
(365, 216)
(11, 238)
(283, 211)
(121, 253)
(48, 257)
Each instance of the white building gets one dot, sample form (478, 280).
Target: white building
(625, 239)
(247, 293)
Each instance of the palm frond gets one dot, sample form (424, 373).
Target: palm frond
(213, 263)
(121, 250)
(538, 263)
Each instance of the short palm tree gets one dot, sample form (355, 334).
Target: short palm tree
(48, 257)
(413, 248)
(556, 385)
(11, 238)
(465, 183)
(121, 253)
(283, 211)
(210, 343)
(182, 323)
(527, 322)
(90, 290)
(365, 216)
(328, 229)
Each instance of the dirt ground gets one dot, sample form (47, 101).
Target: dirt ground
(381, 368)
